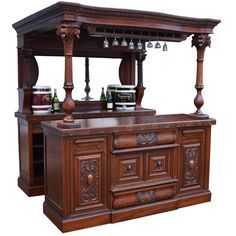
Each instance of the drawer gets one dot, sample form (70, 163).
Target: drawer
(128, 168)
(143, 195)
(88, 145)
(158, 164)
(144, 139)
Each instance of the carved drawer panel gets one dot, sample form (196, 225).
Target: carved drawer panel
(143, 195)
(158, 164)
(145, 139)
(128, 168)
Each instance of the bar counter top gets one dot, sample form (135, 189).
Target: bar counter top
(124, 124)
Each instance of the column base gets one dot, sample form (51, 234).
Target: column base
(200, 116)
(63, 125)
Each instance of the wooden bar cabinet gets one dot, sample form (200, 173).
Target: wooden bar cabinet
(109, 166)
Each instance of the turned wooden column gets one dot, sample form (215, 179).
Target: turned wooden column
(200, 41)
(87, 80)
(68, 32)
(140, 57)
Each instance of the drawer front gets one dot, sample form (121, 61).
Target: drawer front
(90, 145)
(145, 139)
(158, 164)
(128, 168)
(143, 195)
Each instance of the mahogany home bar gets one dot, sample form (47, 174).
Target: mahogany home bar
(109, 166)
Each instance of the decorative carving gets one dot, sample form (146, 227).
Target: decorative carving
(191, 162)
(148, 196)
(201, 40)
(143, 139)
(89, 180)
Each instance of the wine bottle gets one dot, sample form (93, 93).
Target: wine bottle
(55, 102)
(109, 101)
(103, 96)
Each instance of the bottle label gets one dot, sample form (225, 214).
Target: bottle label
(109, 105)
(56, 106)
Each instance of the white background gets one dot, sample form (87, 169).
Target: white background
(170, 79)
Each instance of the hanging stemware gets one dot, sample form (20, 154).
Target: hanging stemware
(149, 44)
(139, 45)
(105, 43)
(115, 42)
(165, 48)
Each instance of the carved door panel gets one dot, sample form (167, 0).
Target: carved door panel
(192, 160)
(88, 174)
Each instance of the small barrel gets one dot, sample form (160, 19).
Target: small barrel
(41, 99)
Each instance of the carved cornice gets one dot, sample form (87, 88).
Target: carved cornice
(201, 40)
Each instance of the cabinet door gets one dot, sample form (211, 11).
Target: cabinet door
(89, 174)
(192, 160)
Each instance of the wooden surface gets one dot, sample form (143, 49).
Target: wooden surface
(115, 169)
(118, 124)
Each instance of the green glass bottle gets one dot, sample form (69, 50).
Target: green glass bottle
(55, 102)
(103, 96)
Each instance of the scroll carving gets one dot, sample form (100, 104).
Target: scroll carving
(89, 180)
(191, 165)
(144, 139)
(148, 196)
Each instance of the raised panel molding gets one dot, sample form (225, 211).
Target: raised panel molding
(128, 168)
(158, 164)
